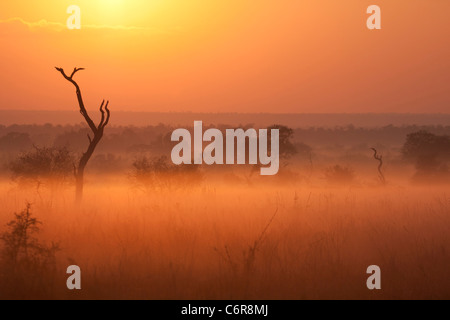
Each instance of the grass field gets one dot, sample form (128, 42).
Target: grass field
(227, 241)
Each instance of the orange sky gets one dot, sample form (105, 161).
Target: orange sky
(228, 56)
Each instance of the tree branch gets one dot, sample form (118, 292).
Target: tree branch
(83, 110)
(75, 70)
(103, 115)
(108, 114)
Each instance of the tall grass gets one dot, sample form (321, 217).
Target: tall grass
(223, 241)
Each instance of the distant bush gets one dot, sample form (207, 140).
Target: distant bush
(430, 153)
(42, 165)
(161, 173)
(286, 147)
(339, 175)
(108, 163)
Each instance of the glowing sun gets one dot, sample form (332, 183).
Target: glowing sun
(111, 6)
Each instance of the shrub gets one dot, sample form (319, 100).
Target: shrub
(43, 165)
(339, 175)
(160, 173)
(26, 264)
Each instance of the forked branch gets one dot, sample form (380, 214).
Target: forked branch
(105, 112)
(105, 115)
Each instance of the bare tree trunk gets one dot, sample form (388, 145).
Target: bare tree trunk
(96, 130)
(79, 180)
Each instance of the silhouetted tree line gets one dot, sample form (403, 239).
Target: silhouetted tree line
(157, 138)
(425, 147)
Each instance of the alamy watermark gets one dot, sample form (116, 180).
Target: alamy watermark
(190, 150)
(74, 20)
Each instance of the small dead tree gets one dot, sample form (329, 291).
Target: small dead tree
(97, 130)
(379, 158)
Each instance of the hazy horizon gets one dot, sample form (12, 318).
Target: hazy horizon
(144, 118)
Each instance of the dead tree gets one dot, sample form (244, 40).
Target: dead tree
(97, 130)
(379, 158)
